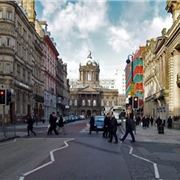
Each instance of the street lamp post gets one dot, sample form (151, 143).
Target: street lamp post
(128, 61)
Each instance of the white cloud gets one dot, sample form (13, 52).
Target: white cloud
(119, 38)
(80, 26)
(81, 17)
(124, 39)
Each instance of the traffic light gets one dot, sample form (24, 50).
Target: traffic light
(8, 97)
(136, 103)
(2, 96)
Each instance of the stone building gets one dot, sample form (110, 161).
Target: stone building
(87, 96)
(62, 87)
(161, 69)
(21, 58)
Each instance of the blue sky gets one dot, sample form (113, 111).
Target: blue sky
(110, 29)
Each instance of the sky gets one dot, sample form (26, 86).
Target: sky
(110, 29)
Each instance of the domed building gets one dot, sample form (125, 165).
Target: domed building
(87, 96)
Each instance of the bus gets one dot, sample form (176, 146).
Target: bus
(119, 113)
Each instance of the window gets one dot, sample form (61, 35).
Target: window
(94, 102)
(24, 74)
(0, 41)
(1, 66)
(83, 102)
(7, 69)
(70, 102)
(89, 76)
(9, 15)
(1, 14)
(18, 70)
(89, 102)
(8, 41)
(75, 102)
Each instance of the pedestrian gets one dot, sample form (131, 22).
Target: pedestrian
(35, 118)
(129, 125)
(52, 122)
(158, 122)
(60, 122)
(169, 122)
(92, 124)
(113, 128)
(152, 121)
(106, 126)
(30, 123)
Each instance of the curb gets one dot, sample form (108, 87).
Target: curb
(8, 139)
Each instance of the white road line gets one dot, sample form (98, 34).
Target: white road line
(156, 171)
(52, 159)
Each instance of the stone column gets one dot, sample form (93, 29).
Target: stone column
(171, 84)
(176, 90)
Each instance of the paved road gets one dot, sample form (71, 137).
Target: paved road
(88, 157)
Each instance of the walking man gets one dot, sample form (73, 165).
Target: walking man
(60, 122)
(129, 125)
(113, 129)
(106, 126)
(91, 123)
(30, 123)
(52, 122)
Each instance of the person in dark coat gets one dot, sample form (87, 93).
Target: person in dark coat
(129, 125)
(158, 122)
(169, 122)
(52, 122)
(106, 126)
(152, 121)
(30, 123)
(60, 122)
(113, 129)
(92, 124)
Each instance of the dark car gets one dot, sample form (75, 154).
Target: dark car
(99, 122)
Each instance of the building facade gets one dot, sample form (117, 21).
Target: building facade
(62, 88)
(162, 67)
(134, 79)
(21, 60)
(50, 63)
(87, 97)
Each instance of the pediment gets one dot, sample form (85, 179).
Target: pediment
(88, 89)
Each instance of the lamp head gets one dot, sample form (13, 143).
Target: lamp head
(128, 61)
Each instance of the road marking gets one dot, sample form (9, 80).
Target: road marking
(156, 171)
(52, 159)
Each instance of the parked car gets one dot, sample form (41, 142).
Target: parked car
(99, 122)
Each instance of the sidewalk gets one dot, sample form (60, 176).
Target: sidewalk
(18, 130)
(151, 135)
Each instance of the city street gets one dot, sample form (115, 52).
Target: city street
(78, 155)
